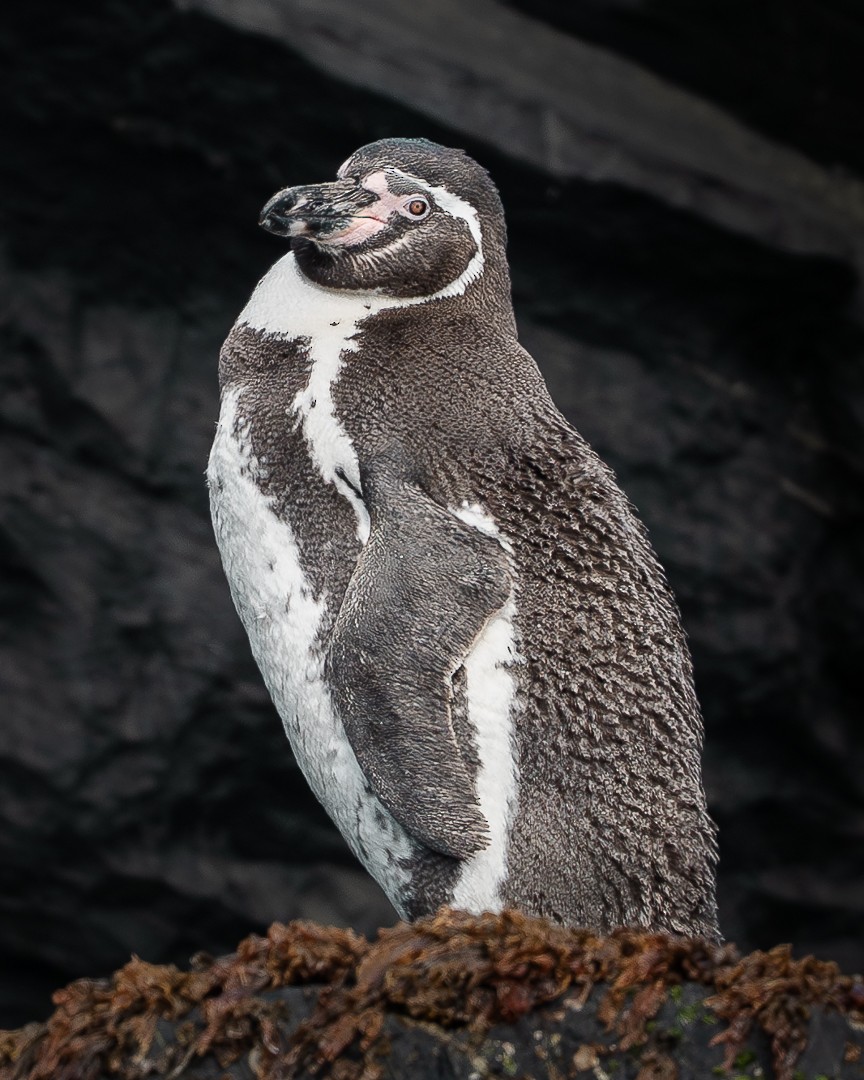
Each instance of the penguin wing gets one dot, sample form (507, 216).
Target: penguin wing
(424, 587)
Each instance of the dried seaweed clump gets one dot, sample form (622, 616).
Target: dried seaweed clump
(777, 993)
(108, 1026)
(451, 970)
(455, 969)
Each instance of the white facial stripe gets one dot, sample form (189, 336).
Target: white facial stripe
(491, 693)
(284, 619)
(448, 202)
(456, 207)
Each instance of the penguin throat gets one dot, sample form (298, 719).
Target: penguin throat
(405, 266)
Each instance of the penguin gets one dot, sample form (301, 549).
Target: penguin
(475, 654)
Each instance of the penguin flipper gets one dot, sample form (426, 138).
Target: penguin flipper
(424, 587)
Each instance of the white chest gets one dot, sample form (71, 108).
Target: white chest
(288, 305)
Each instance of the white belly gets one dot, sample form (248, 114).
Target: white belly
(283, 620)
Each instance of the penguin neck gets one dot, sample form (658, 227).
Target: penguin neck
(287, 304)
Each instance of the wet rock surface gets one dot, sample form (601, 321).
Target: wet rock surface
(148, 801)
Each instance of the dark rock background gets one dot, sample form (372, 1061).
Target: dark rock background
(148, 801)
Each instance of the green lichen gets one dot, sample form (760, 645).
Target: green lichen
(506, 1058)
(689, 1014)
(742, 1066)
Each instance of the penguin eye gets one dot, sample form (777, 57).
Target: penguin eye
(417, 206)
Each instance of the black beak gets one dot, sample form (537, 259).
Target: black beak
(315, 210)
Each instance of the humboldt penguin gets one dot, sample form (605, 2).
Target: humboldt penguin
(472, 646)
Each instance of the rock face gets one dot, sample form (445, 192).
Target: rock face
(459, 997)
(148, 801)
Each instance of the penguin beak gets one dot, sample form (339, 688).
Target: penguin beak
(326, 213)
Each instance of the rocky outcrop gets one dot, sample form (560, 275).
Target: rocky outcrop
(148, 801)
(455, 996)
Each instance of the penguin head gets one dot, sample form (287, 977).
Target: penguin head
(405, 218)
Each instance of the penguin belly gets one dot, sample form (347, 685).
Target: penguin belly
(286, 622)
(288, 617)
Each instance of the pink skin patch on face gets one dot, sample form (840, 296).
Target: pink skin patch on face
(371, 219)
